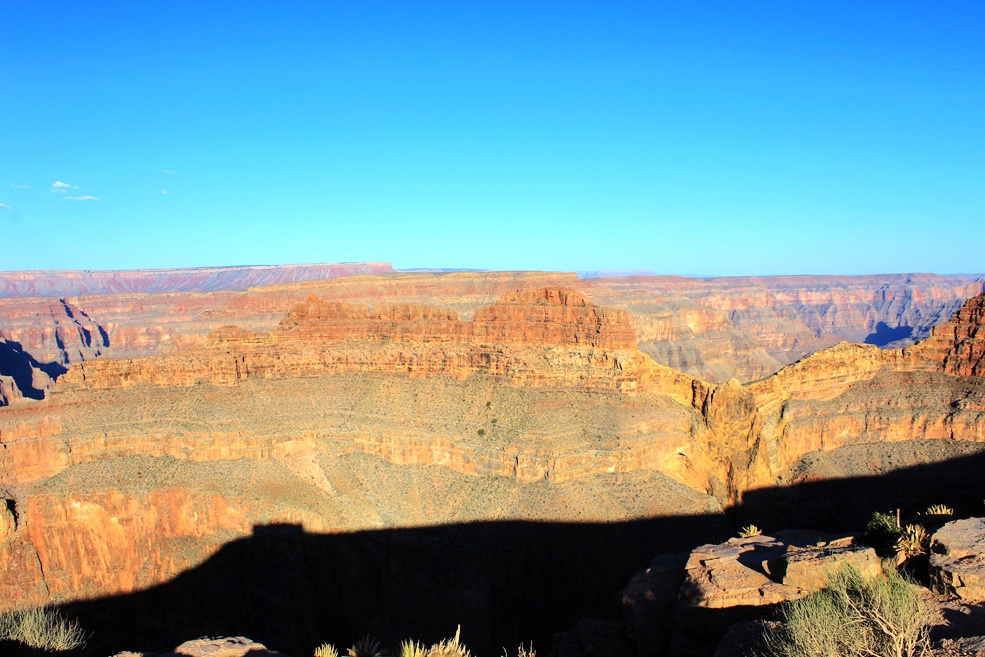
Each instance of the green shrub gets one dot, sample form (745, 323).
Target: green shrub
(882, 532)
(42, 628)
(855, 616)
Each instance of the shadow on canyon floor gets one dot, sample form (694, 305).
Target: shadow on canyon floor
(18, 365)
(504, 582)
(886, 334)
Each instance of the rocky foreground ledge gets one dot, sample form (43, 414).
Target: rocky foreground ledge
(716, 600)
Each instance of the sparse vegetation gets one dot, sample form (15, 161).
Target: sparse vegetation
(42, 628)
(326, 650)
(749, 531)
(522, 651)
(853, 617)
(481, 432)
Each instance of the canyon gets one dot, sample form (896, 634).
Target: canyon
(398, 433)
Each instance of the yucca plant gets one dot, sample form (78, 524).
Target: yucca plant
(367, 647)
(912, 542)
(411, 648)
(326, 650)
(450, 647)
(749, 531)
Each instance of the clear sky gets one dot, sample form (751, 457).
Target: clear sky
(687, 138)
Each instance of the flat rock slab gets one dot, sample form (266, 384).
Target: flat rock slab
(236, 646)
(957, 559)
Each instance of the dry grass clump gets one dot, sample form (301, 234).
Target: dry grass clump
(522, 651)
(42, 628)
(853, 617)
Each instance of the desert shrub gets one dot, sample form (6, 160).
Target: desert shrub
(854, 616)
(522, 651)
(912, 542)
(326, 650)
(42, 628)
(749, 531)
(367, 647)
(481, 432)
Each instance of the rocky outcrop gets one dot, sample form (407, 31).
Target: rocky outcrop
(715, 586)
(958, 345)
(957, 559)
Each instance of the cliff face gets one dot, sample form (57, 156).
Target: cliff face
(958, 344)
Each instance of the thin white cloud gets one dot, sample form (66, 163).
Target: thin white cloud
(4, 206)
(60, 187)
(170, 172)
(21, 186)
(164, 191)
(82, 198)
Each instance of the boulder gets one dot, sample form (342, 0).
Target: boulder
(222, 647)
(957, 559)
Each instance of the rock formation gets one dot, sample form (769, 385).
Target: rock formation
(957, 559)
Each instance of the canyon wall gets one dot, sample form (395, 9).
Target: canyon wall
(525, 404)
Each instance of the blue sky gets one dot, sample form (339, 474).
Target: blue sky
(696, 138)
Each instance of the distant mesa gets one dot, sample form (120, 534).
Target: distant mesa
(199, 279)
